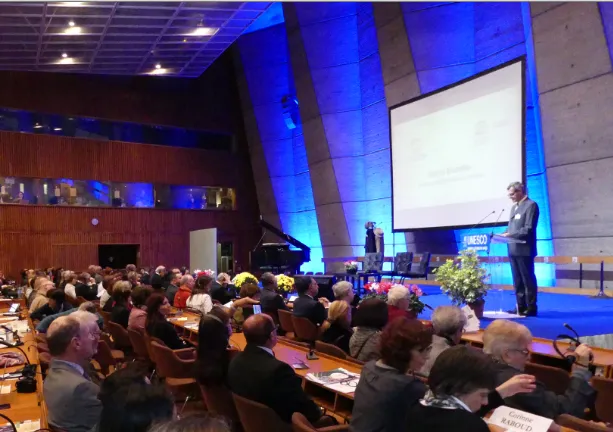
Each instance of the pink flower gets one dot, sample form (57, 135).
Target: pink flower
(416, 290)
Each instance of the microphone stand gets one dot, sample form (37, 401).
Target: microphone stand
(489, 253)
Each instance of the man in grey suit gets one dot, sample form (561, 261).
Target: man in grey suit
(71, 397)
(522, 226)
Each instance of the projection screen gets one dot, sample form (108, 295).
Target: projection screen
(455, 151)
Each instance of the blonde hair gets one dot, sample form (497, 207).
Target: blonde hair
(40, 282)
(122, 286)
(502, 335)
(337, 310)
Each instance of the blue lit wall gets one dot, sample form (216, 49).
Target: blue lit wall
(264, 56)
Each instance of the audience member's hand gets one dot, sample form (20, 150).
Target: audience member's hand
(246, 301)
(517, 384)
(582, 353)
(324, 301)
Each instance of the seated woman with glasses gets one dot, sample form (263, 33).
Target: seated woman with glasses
(461, 385)
(386, 388)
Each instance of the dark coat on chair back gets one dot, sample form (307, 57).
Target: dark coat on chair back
(256, 375)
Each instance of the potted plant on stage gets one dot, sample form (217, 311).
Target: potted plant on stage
(285, 284)
(351, 267)
(463, 280)
(381, 289)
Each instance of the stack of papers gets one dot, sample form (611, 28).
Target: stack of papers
(339, 380)
(24, 426)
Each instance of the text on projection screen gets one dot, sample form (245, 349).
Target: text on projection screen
(455, 152)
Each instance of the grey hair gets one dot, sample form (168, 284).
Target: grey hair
(396, 294)
(158, 269)
(448, 320)
(185, 279)
(518, 186)
(342, 289)
(503, 335)
(84, 317)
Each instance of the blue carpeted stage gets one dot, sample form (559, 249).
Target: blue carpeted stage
(588, 316)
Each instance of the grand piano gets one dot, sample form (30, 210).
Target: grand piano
(277, 257)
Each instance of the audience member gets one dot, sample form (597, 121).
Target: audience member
(305, 305)
(257, 375)
(157, 325)
(251, 291)
(134, 279)
(448, 323)
(185, 291)
(39, 295)
(508, 344)
(71, 397)
(157, 279)
(43, 326)
(386, 390)
(145, 277)
(343, 291)
(70, 279)
(96, 273)
(370, 318)
(222, 289)
(107, 290)
(120, 313)
(213, 356)
(461, 382)
(86, 288)
(130, 403)
(199, 298)
(173, 287)
(130, 268)
(269, 298)
(138, 314)
(56, 304)
(398, 300)
(336, 329)
(201, 422)
(60, 279)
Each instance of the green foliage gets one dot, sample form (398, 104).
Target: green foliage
(463, 280)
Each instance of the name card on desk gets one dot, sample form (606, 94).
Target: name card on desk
(472, 322)
(514, 420)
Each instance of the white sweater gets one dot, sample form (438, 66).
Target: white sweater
(201, 302)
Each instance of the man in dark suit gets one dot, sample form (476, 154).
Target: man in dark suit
(305, 305)
(257, 375)
(222, 290)
(270, 300)
(173, 287)
(522, 226)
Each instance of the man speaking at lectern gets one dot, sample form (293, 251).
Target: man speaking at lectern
(522, 226)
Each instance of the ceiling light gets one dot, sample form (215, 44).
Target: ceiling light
(37, 126)
(203, 31)
(64, 55)
(158, 66)
(72, 30)
(71, 23)
(66, 60)
(160, 71)
(57, 129)
(70, 3)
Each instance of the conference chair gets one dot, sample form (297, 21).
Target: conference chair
(139, 345)
(402, 266)
(177, 372)
(109, 359)
(555, 379)
(373, 264)
(576, 424)
(330, 349)
(106, 317)
(285, 320)
(301, 424)
(305, 329)
(604, 399)
(120, 337)
(257, 417)
(219, 402)
(422, 269)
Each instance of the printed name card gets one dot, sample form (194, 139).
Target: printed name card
(514, 420)
(472, 322)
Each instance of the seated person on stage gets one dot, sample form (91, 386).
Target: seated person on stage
(398, 301)
(213, 356)
(336, 329)
(305, 305)
(461, 391)
(173, 287)
(370, 318)
(130, 402)
(138, 314)
(120, 314)
(222, 289)
(448, 323)
(508, 344)
(185, 291)
(386, 390)
(200, 299)
(257, 375)
(43, 326)
(270, 299)
(156, 324)
(71, 397)
(56, 304)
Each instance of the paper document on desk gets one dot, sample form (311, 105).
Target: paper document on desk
(472, 322)
(24, 426)
(340, 380)
(191, 326)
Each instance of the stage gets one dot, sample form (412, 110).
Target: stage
(588, 316)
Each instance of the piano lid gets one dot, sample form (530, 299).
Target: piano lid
(288, 238)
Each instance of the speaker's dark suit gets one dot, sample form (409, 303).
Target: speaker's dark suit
(522, 226)
(307, 307)
(256, 375)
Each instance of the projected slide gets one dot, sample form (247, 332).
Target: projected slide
(455, 152)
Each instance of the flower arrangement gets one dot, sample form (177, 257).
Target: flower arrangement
(463, 281)
(381, 289)
(243, 278)
(285, 283)
(208, 272)
(351, 266)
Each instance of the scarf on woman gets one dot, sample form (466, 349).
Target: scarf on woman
(441, 401)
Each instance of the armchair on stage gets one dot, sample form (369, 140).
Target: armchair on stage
(403, 262)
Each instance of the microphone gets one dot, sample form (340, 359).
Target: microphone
(572, 330)
(488, 215)
(15, 334)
